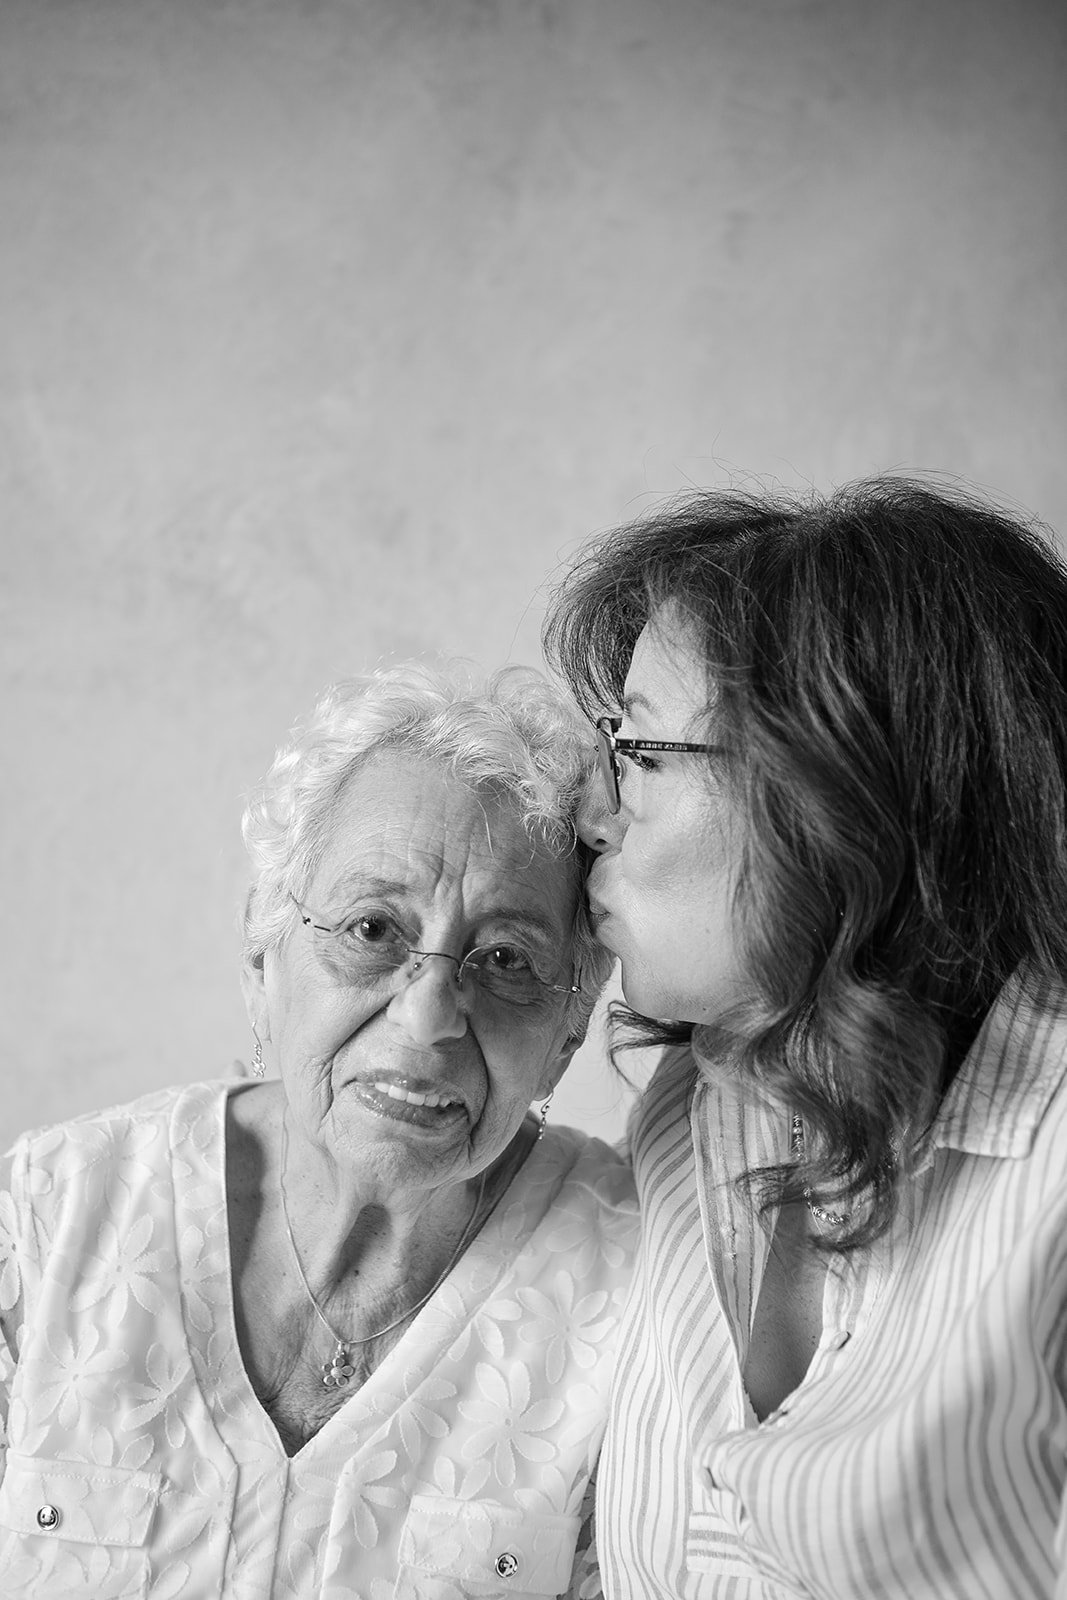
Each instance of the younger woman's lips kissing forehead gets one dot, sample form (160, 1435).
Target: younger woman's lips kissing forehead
(594, 895)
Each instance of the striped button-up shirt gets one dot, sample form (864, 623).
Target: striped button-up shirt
(924, 1455)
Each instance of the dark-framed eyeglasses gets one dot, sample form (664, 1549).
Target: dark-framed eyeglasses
(369, 947)
(608, 745)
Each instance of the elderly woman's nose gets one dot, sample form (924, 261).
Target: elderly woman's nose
(431, 1006)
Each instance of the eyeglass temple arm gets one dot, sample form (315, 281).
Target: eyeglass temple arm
(665, 744)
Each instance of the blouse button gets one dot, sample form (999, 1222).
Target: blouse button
(48, 1517)
(506, 1564)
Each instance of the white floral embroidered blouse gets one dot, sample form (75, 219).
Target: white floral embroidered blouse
(140, 1463)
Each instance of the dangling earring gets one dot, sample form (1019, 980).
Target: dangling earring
(258, 1067)
(544, 1114)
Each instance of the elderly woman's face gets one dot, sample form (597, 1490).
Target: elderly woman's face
(662, 889)
(406, 1072)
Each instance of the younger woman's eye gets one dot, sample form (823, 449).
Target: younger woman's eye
(641, 761)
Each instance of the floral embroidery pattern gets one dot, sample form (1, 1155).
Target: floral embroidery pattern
(114, 1258)
(508, 1420)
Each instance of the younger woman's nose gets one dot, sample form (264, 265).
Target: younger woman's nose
(596, 826)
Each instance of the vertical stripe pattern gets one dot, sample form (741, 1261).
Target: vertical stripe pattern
(924, 1455)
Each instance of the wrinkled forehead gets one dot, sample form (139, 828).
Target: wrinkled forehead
(411, 824)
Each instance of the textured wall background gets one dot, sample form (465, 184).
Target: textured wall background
(327, 327)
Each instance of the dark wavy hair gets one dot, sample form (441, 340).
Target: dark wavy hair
(889, 667)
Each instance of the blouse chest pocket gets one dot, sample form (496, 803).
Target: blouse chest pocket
(70, 1528)
(455, 1549)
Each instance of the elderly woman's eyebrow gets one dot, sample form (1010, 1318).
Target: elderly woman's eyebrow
(356, 882)
(528, 920)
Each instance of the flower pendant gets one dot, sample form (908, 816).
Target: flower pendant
(337, 1371)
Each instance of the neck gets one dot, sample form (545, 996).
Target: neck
(374, 1242)
(391, 1245)
(369, 1266)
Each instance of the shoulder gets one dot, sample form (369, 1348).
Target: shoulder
(660, 1119)
(136, 1129)
(575, 1206)
(1009, 1099)
(587, 1165)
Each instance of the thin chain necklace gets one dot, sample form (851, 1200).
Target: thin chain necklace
(833, 1219)
(338, 1370)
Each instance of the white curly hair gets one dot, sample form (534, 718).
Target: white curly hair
(512, 735)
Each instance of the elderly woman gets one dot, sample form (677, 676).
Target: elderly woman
(832, 858)
(347, 1331)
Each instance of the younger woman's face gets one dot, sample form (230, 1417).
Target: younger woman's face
(663, 886)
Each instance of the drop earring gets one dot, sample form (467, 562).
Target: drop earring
(259, 1069)
(544, 1113)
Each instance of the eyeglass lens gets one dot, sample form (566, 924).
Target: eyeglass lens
(505, 971)
(609, 762)
(516, 983)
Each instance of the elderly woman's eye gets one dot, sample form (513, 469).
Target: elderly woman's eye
(507, 958)
(369, 929)
(507, 971)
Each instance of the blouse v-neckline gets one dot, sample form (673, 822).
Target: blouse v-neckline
(202, 1231)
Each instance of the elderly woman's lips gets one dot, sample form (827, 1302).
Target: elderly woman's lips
(413, 1098)
(418, 1104)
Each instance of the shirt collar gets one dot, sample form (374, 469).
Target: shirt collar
(995, 1103)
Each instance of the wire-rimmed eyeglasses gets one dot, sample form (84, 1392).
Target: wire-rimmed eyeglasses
(367, 947)
(608, 743)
